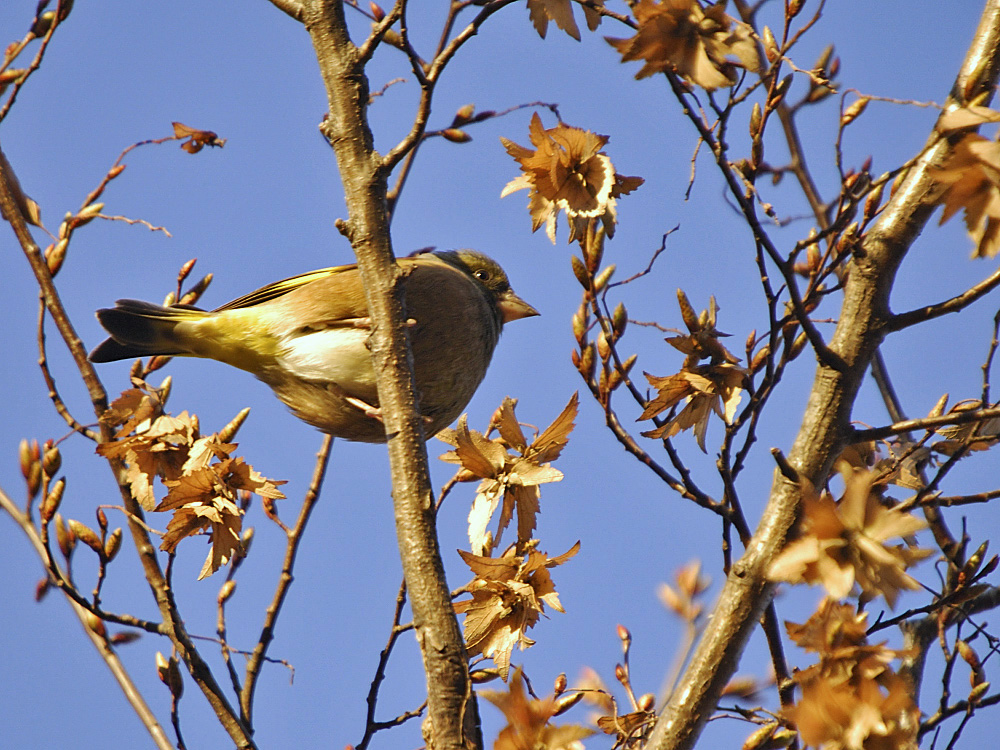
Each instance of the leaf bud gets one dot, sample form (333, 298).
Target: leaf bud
(55, 255)
(823, 60)
(602, 279)
(559, 687)
(113, 544)
(873, 200)
(191, 295)
(969, 655)
(86, 535)
(977, 692)
(990, 566)
(619, 319)
(170, 675)
(580, 271)
(226, 591)
(760, 738)
(52, 500)
(96, 624)
(88, 213)
(481, 676)
(621, 674)
(646, 702)
(580, 324)
(779, 91)
(566, 702)
(798, 345)
(34, 480)
(854, 111)
(65, 538)
(623, 634)
(186, 270)
(377, 12)
(51, 459)
(770, 45)
(760, 359)
(42, 588)
(463, 115)
(756, 119)
(603, 347)
(227, 433)
(795, 7)
(587, 362)
(102, 520)
(115, 171)
(123, 637)
(455, 135)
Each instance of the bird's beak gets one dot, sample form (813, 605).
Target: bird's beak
(513, 307)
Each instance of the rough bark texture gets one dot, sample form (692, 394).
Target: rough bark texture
(862, 326)
(451, 704)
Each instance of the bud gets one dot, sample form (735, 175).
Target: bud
(626, 367)
(455, 135)
(88, 213)
(102, 521)
(977, 692)
(42, 588)
(760, 359)
(170, 675)
(115, 171)
(124, 637)
(770, 45)
(27, 454)
(55, 255)
(377, 13)
(226, 591)
(756, 119)
(760, 738)
(580, 271)
(603, 347)
(65, 538)
(463, 115)
(874, 199)
(186, 270)
(559, 687)
(621, 674)
(646, 702)
(227, 433)
(587, 362)
(113, 544)
(854, 111)
(603, 278)
(51, 460)
(566, 702)
(623, 634)
(481, 676)
(798, 345)
(619, 319)
(52, 500)
(96, 624)
(86, 535)
(192, 294)
(580, 324)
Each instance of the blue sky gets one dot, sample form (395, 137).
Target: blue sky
(263, 208)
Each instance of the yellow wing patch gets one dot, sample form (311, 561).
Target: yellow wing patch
(280, 288)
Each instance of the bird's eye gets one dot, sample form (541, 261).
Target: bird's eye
(482, 274)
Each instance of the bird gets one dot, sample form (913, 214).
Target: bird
(307, 338)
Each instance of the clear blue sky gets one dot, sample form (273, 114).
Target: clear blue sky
(263, 208)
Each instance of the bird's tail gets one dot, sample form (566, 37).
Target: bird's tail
(142, 329)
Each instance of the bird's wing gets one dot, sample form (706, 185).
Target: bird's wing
(281, 288)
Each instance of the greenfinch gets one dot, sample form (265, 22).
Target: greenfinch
(307, 338)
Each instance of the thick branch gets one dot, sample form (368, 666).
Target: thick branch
(450, 701)
(862, 327)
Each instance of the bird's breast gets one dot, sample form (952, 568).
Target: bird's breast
(335, 355)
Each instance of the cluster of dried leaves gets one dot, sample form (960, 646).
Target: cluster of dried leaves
(851, 699)
(528, 719)
(201, 475)
(567, 171)
(844, 542)
(970, 178)
(509, 592)
(704, 388)
(695, 42)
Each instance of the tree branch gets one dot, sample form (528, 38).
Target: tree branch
(861, 328)
(451, 704)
